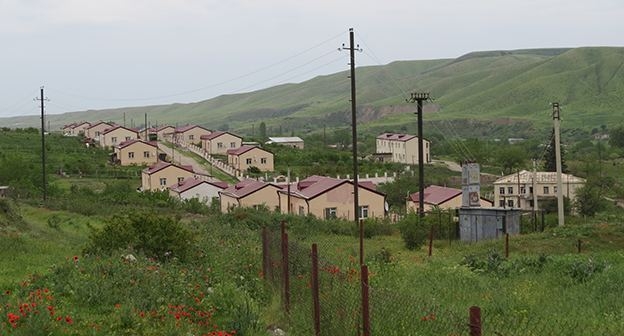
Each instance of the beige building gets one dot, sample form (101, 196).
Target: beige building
(159, 132)
(294, 142)
(327, 198)
(220, 142)
(95, 131)
(250, 156)
(402, 147)
(249, 193)
(517, 190)
(441, 197)
(189, 134)
(115, 135)
(67, 129)
(202, 190)
(135, 152)
(164, 174)
(80, 128)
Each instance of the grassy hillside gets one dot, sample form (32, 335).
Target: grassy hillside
(515, 86)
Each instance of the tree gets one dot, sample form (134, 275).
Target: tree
(263, 130)
(510, 158)
(550, 165)
(588, 200)
(616, 137)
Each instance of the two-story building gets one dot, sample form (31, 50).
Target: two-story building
(164, 174)
(189, 134)
(220, 142)
(401, 148)
(326, 197)
(135, 152)
(113, 136)
(250, 156)
(249, 193)
(518, 190)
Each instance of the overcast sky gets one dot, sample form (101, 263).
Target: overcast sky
(93, 54)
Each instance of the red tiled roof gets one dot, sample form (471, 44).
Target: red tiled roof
(243, 149)
(187, 184)
(183, 129)
(101, 122)
(82, 123)
(246, 187)
(108, 130)
(217, 134)
(133, 141)
(315, 185)
(162, 165)
(436, 195)
(160, 128)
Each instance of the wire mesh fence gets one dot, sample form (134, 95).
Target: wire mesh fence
(323, 293)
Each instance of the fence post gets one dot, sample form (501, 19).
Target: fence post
(578, 245)
(361, 241)
(266, 257)
(365, 302)
(430, 240)
(285, 272)
(475, 321)
(506, 245)
(315, 291)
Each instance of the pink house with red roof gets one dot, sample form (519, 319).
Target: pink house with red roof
(250, 156)
(189, 134)
(401, 148)
(441, 197)
(115, 135)
(326, 197)
(94, 131)
(202, 190)
(249, 193)
(220, 142)
(135, 152)
(163, 175)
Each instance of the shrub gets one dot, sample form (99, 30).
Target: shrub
(413, 231)
(582, 271)
(156, 236)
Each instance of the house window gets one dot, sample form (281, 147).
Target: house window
(510, 203)
(555, 189)
(128, 138)
(180, 179)
(330, 213)
(163, 181)
(130, 155)
(501, 190)
(301, 210)
(191, 137)
(146, 154)
(219, 144)
(263, 160)
(248, 161)
(114, 139)
(522, 190)
(364, 211)
(530, 190)
(232, 144)
(546, 190)
(510, 190)
(501, 203)
(531, 204)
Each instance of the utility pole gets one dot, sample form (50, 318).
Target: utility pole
(419, 97)
(146, 132)
(356, 206)
(43, 99)
(534, 190)
(557, 120)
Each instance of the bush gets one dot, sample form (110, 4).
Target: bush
(157, 237)
(582, 271)
(413, 231)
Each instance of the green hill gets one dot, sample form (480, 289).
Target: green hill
(493, 87)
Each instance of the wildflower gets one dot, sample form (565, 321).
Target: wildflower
(68, 319)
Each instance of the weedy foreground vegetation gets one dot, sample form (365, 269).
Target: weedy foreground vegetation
(98, 258)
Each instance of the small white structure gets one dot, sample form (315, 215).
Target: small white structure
(204, 191)
(295, 142)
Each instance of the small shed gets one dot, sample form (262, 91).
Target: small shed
(477, 224)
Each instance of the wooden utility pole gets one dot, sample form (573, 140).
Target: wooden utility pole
(557, 121)
(43, 99)
(419, 97)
